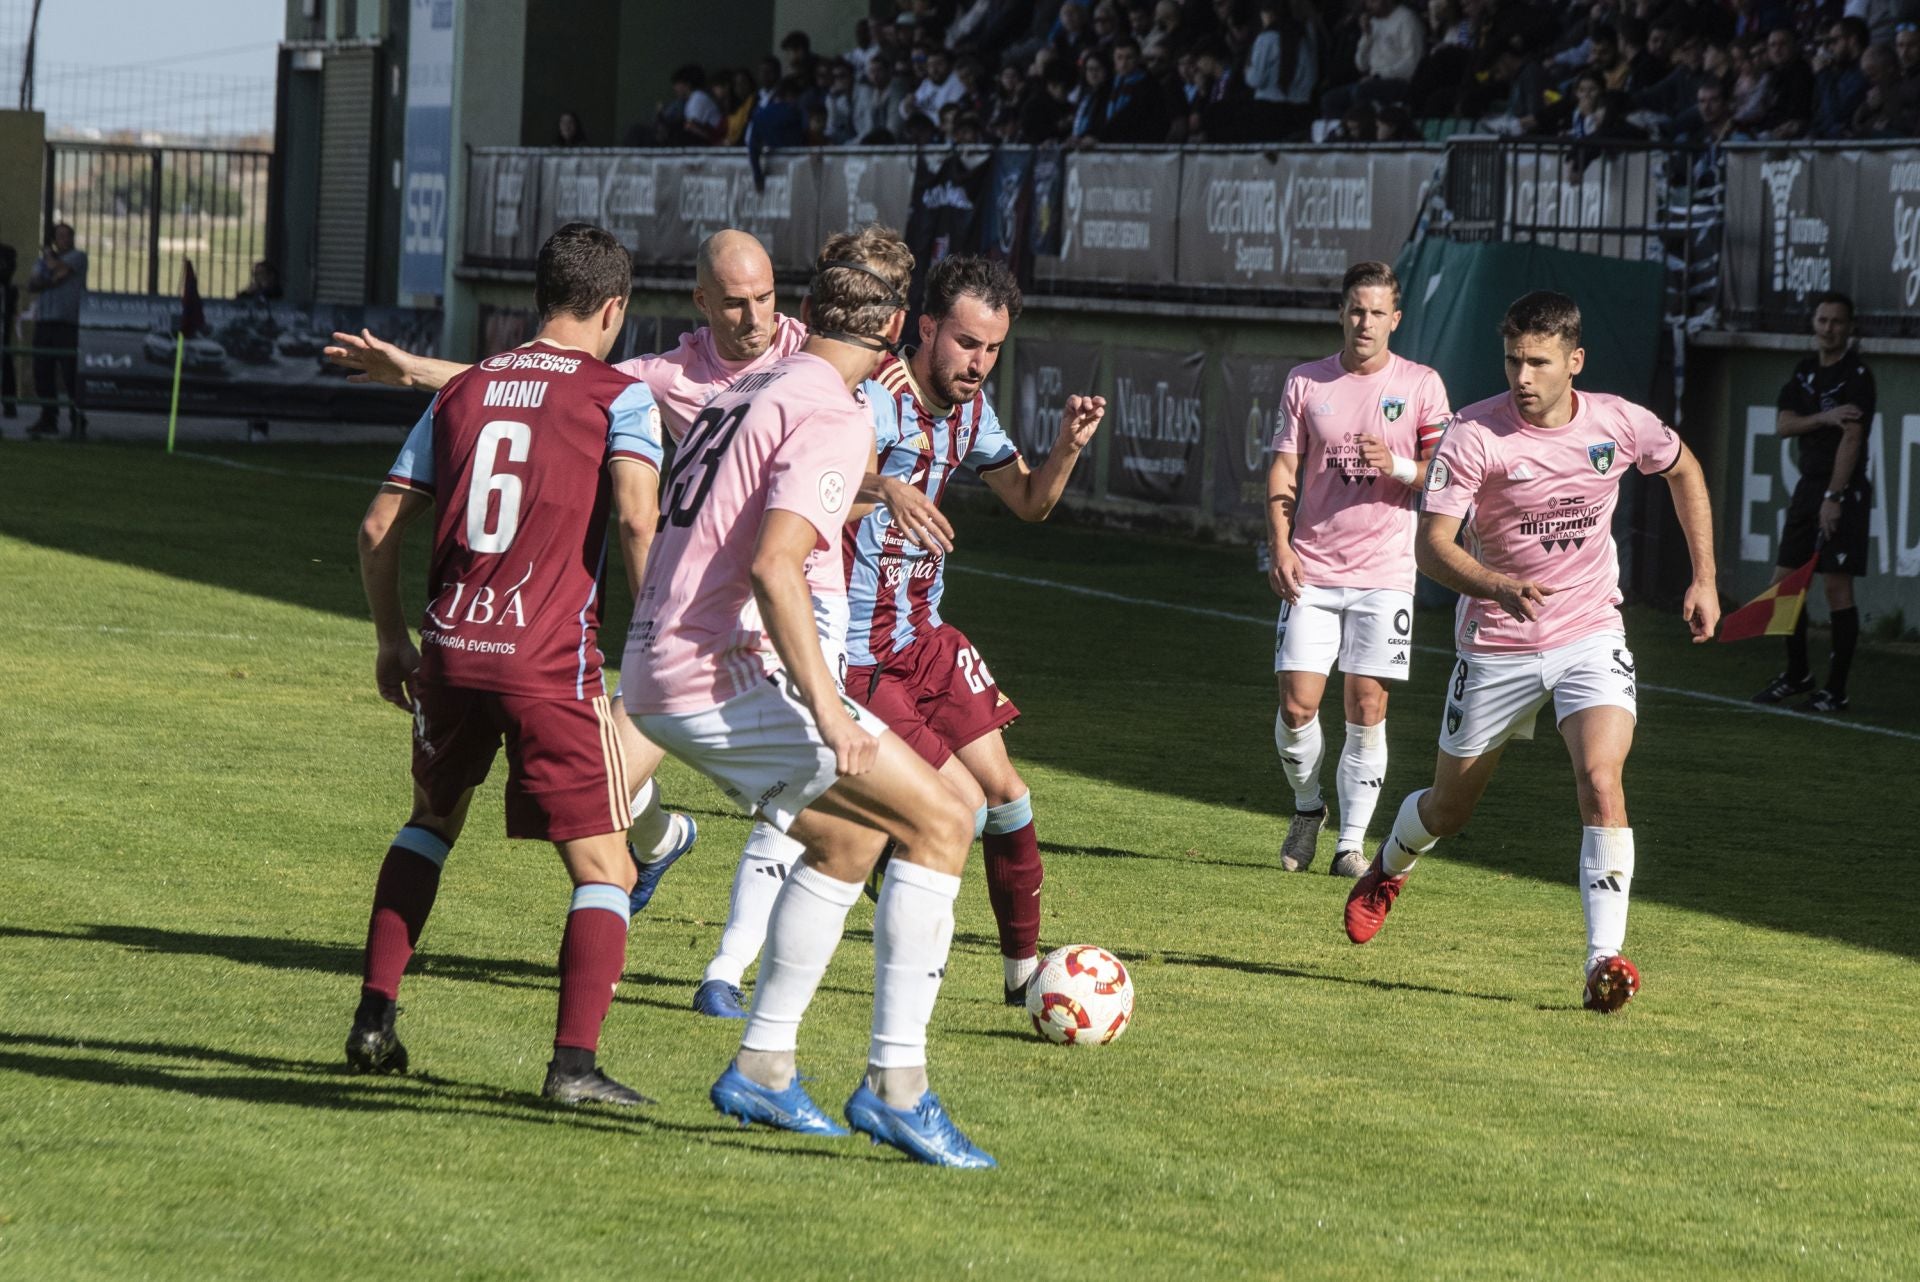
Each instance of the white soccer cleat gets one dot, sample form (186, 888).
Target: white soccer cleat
(1303, 838)
(1351, 864)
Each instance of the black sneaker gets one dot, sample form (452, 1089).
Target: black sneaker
(589, 1086)
(1784, 687)
(43, 427)
(1016, 994)
(1827, 701)
(372, 1046)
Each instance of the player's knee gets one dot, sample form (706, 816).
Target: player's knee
(943, 834)
(1602, 795)
(1297, 714)
(1008, 788)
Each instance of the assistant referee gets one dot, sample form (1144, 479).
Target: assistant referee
(1828, 404)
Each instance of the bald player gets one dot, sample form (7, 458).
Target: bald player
(744, 334)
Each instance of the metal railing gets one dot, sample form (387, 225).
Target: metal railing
(140, 212)
(1655, 203)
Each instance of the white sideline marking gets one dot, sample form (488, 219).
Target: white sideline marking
(237, 465)
(107, 629)
(1204, 612)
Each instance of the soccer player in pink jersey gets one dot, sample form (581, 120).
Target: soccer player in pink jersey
(513, 457)
(724, 667)
(1355, 432)
(1535, 474)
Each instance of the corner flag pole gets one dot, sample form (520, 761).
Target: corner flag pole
(173, 412)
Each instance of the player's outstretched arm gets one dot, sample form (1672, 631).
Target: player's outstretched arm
(786, 608)
(1030, 494)
(374, 360)
(1283, 493)
(1441, 558)
(636, 498)
(1688, 482)
(382, 531)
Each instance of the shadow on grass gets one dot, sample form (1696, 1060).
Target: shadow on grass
(245, 1078)
(1246, 967)
(318, 955)
(1114, 852)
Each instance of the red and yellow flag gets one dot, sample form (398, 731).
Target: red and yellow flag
(1774, 612)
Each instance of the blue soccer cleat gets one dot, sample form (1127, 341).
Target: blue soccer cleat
(648, 875)
(718, 998)
(738, 1095)
(923, 1132)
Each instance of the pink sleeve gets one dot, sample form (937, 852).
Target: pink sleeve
(1457, 470)
(817, 468)
(1656, 447)
(1288, 436)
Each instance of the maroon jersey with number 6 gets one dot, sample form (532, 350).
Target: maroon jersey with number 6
(515, 453)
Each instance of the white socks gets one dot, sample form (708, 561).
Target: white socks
(804, 930)
(652, 831)
(912, 930)
(1018, 970)
(1361, 774)
(764, 865)
(1606, 879)
(1408, 840)
(1300, 752)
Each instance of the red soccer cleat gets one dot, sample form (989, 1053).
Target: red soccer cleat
(1611, 984)
(1367, 904)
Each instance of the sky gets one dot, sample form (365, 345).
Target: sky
(194, 65)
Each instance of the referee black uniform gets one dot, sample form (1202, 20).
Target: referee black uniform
(1814, 389)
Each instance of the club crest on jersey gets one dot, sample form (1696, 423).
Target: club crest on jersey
(1393, 407)
(1601, 456)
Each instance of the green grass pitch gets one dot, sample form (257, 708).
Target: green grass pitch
(198, 783)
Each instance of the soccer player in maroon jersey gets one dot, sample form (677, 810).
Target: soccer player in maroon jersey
(514, 459)
(922, 675)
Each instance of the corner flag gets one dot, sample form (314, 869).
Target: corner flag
(1774, 612)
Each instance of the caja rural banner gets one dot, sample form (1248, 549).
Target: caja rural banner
(1294, 221)
(1805, 220)
(1045, 373)
(1156, 425)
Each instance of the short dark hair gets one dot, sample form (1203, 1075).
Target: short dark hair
(1836, 297)
(972, 276)
(1857, 30)
(1543, 312)
(1126, 42)
(852, 301)
(797, 40)
(1366, 275)
(690, 74)
(581, 266)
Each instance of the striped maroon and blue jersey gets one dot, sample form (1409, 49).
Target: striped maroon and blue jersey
(893, 584)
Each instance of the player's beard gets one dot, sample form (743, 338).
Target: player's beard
(949, 390)
(752, 344)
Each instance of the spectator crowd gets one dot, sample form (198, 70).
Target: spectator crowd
(1115, 72)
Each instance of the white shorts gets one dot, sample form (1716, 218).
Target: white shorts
(1492, 698)
(762, 747)
(1370, 631)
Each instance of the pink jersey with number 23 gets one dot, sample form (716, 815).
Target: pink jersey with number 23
(790, 437)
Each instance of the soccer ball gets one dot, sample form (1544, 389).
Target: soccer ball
(1080, 996)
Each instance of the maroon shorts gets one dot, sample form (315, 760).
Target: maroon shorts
(566, 773)
(936, 694)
